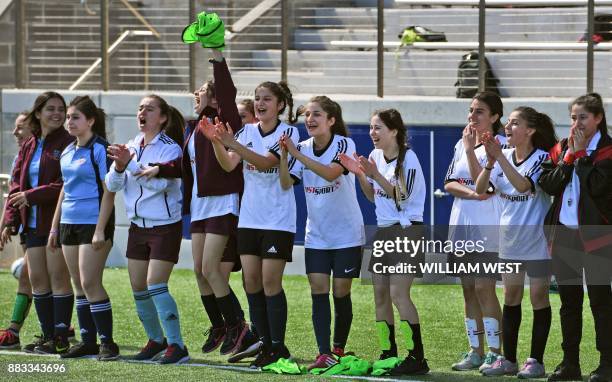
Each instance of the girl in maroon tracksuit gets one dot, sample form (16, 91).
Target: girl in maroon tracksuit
(33, 194)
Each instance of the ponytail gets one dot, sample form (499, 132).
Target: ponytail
(86, 105)
(544, 137)
(174, 127)
(282, 92)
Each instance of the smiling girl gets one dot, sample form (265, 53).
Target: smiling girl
(514, 173)
(579, 177)
(392, 178)
(333, 241)
(84, 225)
(155, 234)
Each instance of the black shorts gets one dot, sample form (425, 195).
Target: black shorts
(391, 261)
(268, 244)
(533, 268)
(345, 262)
(78, 234)
(158, 243)
(33, 240)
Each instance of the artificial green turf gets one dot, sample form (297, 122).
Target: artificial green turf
(440, 308)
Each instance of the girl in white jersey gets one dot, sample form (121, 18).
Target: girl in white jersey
(392, 178)
(514, 173)
(266, 225)
(333, 240)
(155, 234)
(476, 217)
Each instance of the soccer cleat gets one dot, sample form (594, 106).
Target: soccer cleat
(323, 361)
(489, 359)
(338, 351)
(532, 369)
(174, 355)
(388, 354)
(108, 352)
(602, 374)
(280, 352)
(216, 336)
(263, 358)
(411, 366)
(9, 339)
(82, 349)
(234, 337)
(501, 366)
(58, 345)
(566, 371)
(250, 347)
(38, 340)
(151, 351)
(469, 361)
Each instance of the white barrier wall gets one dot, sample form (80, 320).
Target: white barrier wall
(121, 109)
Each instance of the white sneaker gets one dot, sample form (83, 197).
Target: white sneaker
(501, 366)
(469, 361)
(489, 359)
(532, 369)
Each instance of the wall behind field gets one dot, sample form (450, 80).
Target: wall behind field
(439, 112)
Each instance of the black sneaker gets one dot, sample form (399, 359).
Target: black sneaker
(388, 354)
(58, 345)
(566, 371)
(216, 336)
(108, 352)
(82, 349)
(263, 358)
(152, 351)
(38, 340)
(234, 337)
(174, 354)
(250, 347)
(280, 352)
(411, 366)
(602, 374)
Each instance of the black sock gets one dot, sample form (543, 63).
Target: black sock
(237, 308)
(86, 321)
(259, 315)
(343, 308)
(212, 310)
(62, 313)
(102, 313)
(321, 321)
(277, 319)
(418, 351)
(226, 306)
(539, 333)
(511, 322)
(43, 303)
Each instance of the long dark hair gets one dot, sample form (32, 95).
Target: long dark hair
(39, 104)
(87, 106)
(593, 103)
(393, 120)
(495, 105)
(333, 110)
(282, 92)
(544, 137)
(174, 127)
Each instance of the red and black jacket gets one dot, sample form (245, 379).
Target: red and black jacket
(595, 203)
(44, 196)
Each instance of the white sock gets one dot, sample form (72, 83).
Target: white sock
(472, 332)
(491, 326)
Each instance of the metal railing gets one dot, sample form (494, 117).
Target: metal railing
(317, 45)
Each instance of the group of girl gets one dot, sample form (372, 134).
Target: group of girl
(237, 189)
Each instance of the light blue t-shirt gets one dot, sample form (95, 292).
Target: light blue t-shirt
(33, 172)
(82, 186)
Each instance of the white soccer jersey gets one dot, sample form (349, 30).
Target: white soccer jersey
(208, 206)
(522, 217)
(265, 205)
(413, 202)
(334, 217)
(473, 219)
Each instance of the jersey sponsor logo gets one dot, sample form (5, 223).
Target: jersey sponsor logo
(516, 198)
(465, 181)
(323, 190)
(251, 167)
(272, 250)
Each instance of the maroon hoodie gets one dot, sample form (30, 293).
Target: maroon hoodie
(50, 182)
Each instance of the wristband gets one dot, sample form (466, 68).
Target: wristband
(580, 154)
(488, 168)
(568, 158)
